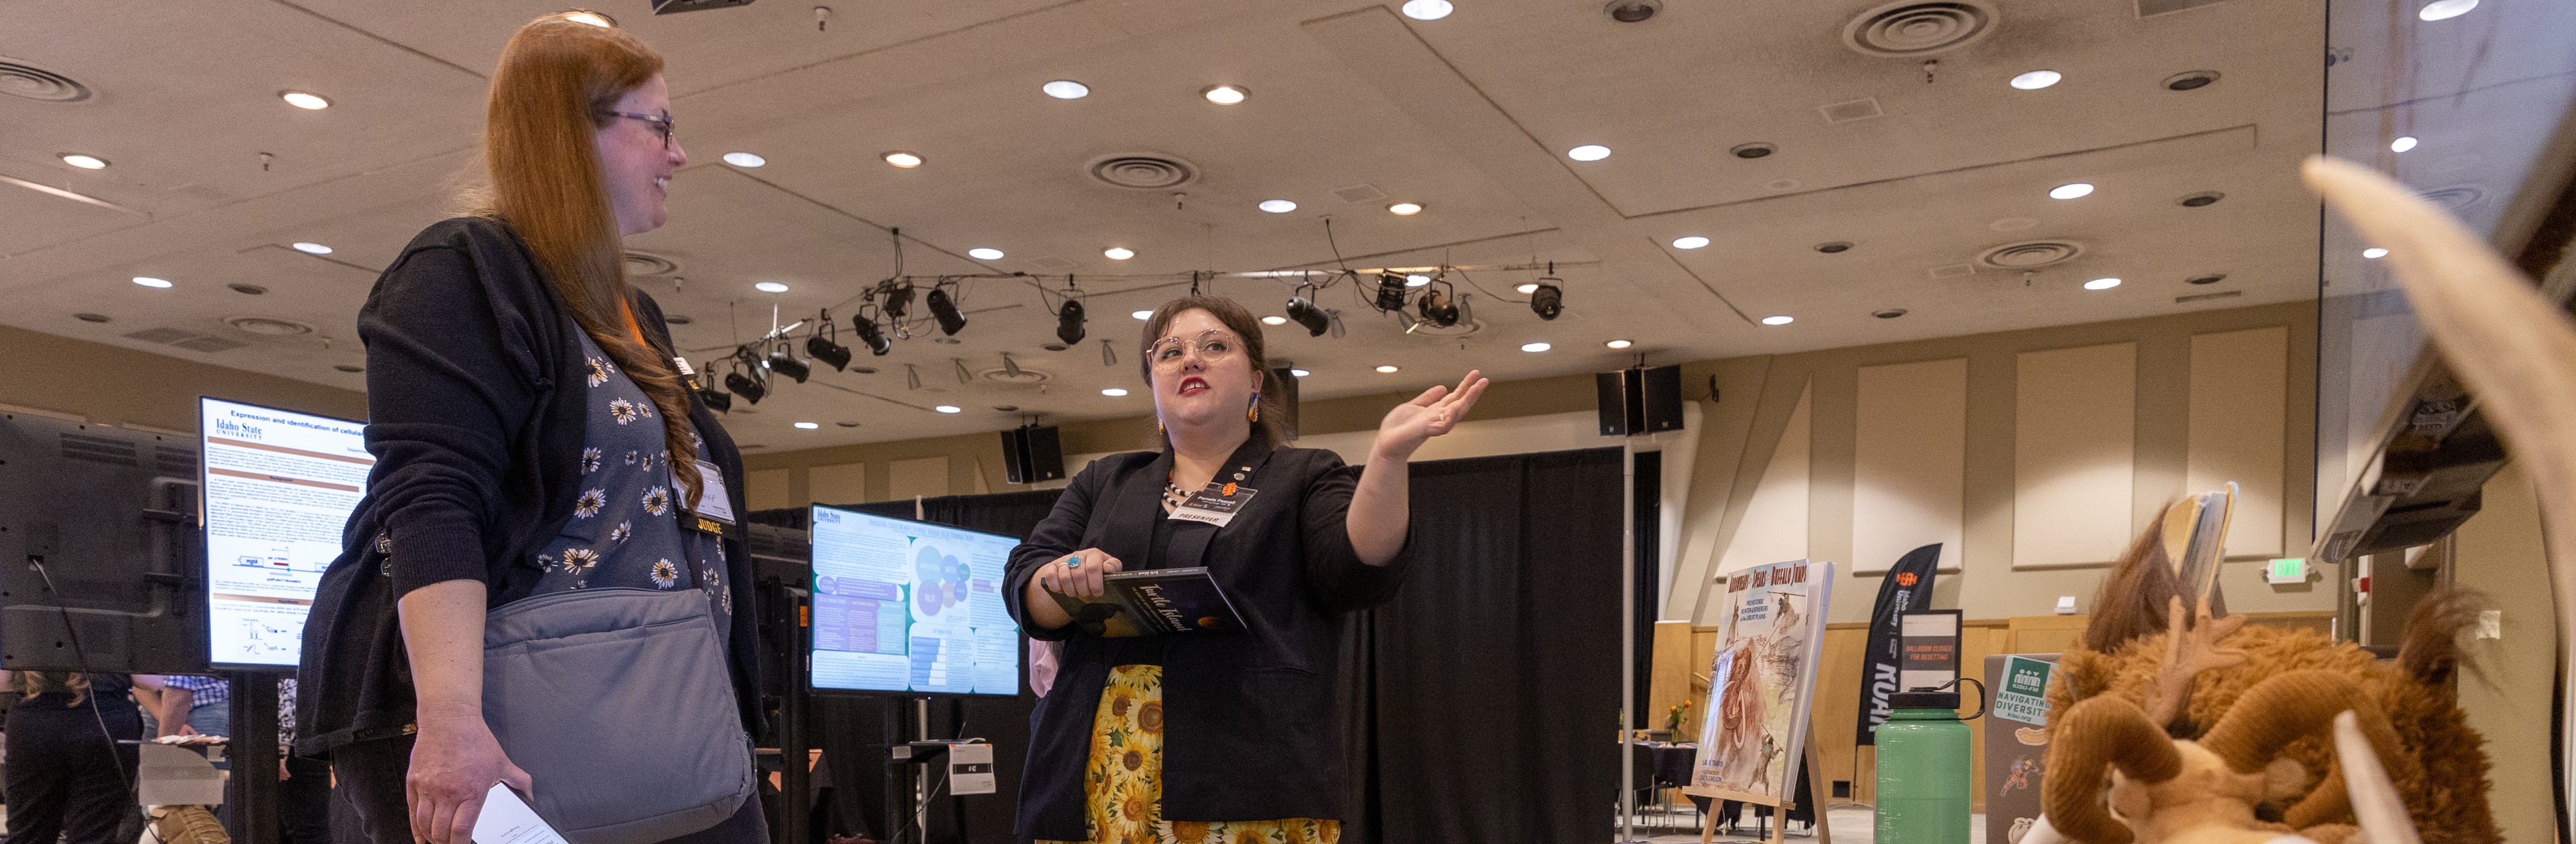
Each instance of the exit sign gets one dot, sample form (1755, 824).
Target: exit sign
(2286, 570)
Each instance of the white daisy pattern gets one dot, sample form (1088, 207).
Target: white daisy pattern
(657, 500)
(665, 575)
(579, 561)
(590, 459)
(623, 411)
(624, 530)
(598, 372)
(630, 457)
(589, 504)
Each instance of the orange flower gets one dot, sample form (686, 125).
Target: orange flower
(1190, 832)
(1151, 717)
(1135, 807)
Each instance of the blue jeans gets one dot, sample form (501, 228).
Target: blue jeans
(212, 719)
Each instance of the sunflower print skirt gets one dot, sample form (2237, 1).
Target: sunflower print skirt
(1123, 783)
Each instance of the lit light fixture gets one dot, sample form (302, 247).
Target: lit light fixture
(984, 253)
(309, 248)
(1778, 320)
(2442, 10)
(1142, 314)
(1118, 253)
(1299, 373)
(1223, 94)
(2402, 144)
(770, 287)
(2036, 80)
(1588, 152)
(2071, 190)
(85, 162)
(1427, 10)
(1535, 347)
(906, 160)
(2373, 253)
(1404, 209)
(1274, 320)
(808, 425)
(1388, 370)
(592, 18)
(2102, 284)
(307, 102)
(1691, 242)
(1416, 279)
(149, 281)
(1114, 392)
(744, 159)
(949, 408)
(1278, 206)
(1527, 288)
(1066, 89)
(1619, 344)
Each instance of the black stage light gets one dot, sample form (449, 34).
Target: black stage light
(1068, 322)
(749, 388)
(944, 310)
(875, 338)
(1303, 310)
(827, 350)
(1548, 300)
(1439, 308)
(1390, 291)
(785, 363)
(716, 400)
(898, 299)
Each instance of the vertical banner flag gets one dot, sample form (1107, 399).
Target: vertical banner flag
(1908, 586)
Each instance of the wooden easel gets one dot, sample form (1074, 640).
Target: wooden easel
(1780, 806)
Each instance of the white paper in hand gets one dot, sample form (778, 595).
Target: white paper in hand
(506, 819)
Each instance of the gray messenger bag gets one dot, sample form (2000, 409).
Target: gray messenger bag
(620, 706)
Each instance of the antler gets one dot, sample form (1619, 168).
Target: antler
(2094, 735)
(2187, 653)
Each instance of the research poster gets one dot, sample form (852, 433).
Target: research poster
(279, 486)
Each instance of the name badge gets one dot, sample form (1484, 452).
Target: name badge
(1216, 504)
(715, 505)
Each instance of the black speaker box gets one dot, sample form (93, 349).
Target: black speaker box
(1640, 401)
(1032, 454)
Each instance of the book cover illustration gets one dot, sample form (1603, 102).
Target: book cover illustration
(1763, 679)
(1154, 603)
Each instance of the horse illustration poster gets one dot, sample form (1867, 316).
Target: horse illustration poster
(1762, 680)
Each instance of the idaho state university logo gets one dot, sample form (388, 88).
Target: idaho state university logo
(1905, 578)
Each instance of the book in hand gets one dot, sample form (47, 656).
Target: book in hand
(1159, 602)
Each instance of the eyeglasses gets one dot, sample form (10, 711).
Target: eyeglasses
(662, 123)
(1213, 345)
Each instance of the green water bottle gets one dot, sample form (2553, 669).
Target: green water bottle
(1923, 767)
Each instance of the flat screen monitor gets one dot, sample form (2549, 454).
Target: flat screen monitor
(906, 607)
(99, 525)
(279, 488)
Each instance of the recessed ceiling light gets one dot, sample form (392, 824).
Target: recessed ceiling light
(1527, 287)
(1223, 94)
(1778, 320)
(309, 248)
(1416, 280)
(1114, 392)
(247, 289)
(2036, 79)
(1588, 152)
(85, 162)
(2374, 253)
(984, 253)
(1066, 89)
(348, 367)
(592, 18)
(1141, 315)
(1620, 344)
(2191, 80)
(1754, 150)
(308, 102)
(903, 159)
(2442, 10)
(1835, 247)
(770, 287)
(1118, 253)
(1299, 373)
(1889, 313)
(2203, 199)
(2071, 190)
(1404, 209)
(2402, 144)
(846, 424)
(1691, 242)
(1274, 320)
(1535, 347)
(1278, 206)
(2102, 284)
(86, 317)
(744, 159)
(949, 408)
(809, 425)
(1390, 370)
(1427, 10)
(149, 281)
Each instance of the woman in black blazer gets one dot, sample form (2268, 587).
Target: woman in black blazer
(1230, 737)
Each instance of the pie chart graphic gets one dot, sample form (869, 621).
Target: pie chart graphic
(939, 580)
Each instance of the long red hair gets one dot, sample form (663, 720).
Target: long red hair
(557, 80)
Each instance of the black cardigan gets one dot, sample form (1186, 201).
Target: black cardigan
(1250, 728)
(475, 417)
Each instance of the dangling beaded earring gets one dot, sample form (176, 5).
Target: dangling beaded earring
(1255, 413)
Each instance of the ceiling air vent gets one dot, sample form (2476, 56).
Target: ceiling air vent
(647, 264)
(2031, 255)
(26, 80)
(2203, 297)
(2152, 8)
(160, 335)
(207, 344)
(1143, 172)
(1951, 270)
(1362, 192)
(2456, 198)
(1846, 112)
(268, 326)
(1911, 29)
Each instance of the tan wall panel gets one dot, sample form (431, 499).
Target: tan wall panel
(839, 483)
(766, 489)
(2074, 454)
(1910, 462)
(921, 476)
(1775, 521)
(2239, 410)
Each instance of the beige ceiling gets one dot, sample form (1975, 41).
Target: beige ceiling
(1470, 115)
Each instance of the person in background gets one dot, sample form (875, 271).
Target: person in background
(193, 705)
(68, 778)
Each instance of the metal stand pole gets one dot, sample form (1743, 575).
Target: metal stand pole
(921, 787)
(250, 812)
(1627, 640)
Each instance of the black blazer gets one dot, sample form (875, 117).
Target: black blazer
(478, 462)
(1250, 726)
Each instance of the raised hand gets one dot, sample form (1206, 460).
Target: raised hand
(1435, 412)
